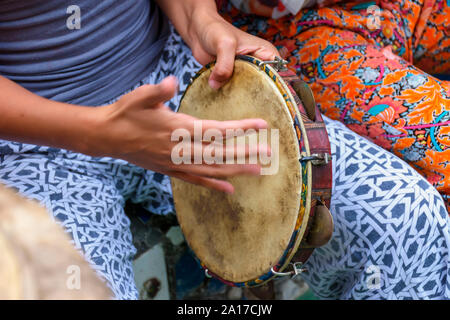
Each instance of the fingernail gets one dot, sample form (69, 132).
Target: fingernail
(262, 124)
(174, 79)
(229, 189)
(214, 84)
(256, 170)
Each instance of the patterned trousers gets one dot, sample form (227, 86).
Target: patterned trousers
(391, 234)
(369, 65)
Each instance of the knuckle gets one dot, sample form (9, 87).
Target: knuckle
(227, 41)
(222, 72)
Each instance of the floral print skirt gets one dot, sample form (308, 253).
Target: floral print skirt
(378, 67)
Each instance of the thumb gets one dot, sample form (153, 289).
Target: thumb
(155, 95)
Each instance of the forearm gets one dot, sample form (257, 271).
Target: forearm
(29, 118)
(183, 12)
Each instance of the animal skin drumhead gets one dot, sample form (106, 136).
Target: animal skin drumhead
(239, 237)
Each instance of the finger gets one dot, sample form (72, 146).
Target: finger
(220, 152)
(266, 53)
(156, 95)
(202, 56)
(223, 68)
(219, 171)
(228, 129)
(215, 184)
(243, 153)
(257, 47)
(234, 128)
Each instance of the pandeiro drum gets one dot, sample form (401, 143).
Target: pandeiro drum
(271, 224)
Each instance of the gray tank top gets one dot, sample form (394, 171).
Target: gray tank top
(87, 53)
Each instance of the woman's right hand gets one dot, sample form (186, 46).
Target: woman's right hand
(138, 128)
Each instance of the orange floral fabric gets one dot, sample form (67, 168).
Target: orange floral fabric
(375, 80)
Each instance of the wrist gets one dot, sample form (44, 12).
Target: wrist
(201, 16)
(90, 132)
(185, 14)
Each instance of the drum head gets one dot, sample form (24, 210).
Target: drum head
(240, 237)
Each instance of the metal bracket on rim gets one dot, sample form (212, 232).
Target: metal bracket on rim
(297, 269)
(317, 159)
(278, 64)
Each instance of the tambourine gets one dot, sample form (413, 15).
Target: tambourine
(272, 223)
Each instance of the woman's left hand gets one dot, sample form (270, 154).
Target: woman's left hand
(211, 37)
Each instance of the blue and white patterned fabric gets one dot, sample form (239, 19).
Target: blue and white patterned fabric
(87, 195)
(391, 236)
(388, 219)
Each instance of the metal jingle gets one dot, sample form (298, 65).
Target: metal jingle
(322, 227)
(278, 64)
(317, 159)
(297, 268)
(306, 95)
(207, 274)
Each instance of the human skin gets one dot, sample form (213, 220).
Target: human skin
(138, 127)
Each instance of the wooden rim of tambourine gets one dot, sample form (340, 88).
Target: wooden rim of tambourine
(304, 207)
